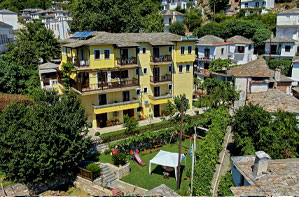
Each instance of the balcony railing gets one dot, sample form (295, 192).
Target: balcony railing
(104, 85)
(126, 61)
(208, 58)
(156, 79)
(78, 63)
(162, 96)
(116, 103)
(163, 58)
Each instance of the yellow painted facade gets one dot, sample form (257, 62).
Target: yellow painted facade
(147, 94)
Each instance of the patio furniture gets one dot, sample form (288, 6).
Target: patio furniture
(108, 123)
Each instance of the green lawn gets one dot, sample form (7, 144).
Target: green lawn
(140, 175)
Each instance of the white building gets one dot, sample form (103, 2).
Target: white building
(61, 29)
(257, 6)
(173, 4)
(281, 48)
(287, 24)
(10, 18)
(48, 75)
(241, 49)
(6, 36)
(171, 17)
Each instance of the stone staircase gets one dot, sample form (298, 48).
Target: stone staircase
(109, 176)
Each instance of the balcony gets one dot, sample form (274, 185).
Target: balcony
(161, 99)
(116, 106)
(161, 59)
(79, 63)
(205, 58)
(102, 86)
(159, 79)
(126, 61)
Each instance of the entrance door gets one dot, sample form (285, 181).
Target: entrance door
(101, 120)
(129, 112)
(124, 53)
(156, 73)
(273, 49)
(157, 91)
(102, 99)
(84, 79)
(207, 53)
(156, 110)
(126, 96)
(156, 52)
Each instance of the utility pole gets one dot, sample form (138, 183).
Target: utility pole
(180, 145)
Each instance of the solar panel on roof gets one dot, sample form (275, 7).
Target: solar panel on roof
(84, 34)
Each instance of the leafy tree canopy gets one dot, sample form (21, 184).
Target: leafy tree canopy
(177, 28)
(217, 4)
(17, 5)
(219, 64)
(193, 18)
(44, 140)
(284, 65)
(116, 15)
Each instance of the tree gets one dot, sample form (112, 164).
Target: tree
(219, 64)
(259, 37)
(174, 108)
(153, 23)
(217, 4)
(66, 69)
(284, 65)
(43, 141)
(226, 182)
(193, 18)
(129, 123)
(17, 5)
(177, 28)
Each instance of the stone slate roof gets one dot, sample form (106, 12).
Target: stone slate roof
(282, 178)
(239, 40)
(123, 39)
(291, 11)
(171, 13)
(281, 39)
(274, 100)
(161, 190)
(5, 11)
(256, 68)
(48, 65)
(209, 40)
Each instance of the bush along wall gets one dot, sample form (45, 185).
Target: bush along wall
(208, 149)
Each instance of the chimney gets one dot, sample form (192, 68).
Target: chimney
(277, 75)
(260, 163)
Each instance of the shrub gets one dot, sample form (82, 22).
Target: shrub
(95, 169)
(97, 133)
(225, 184)
(119, 159)
(177, 28)
(129, 123)
(107, 152)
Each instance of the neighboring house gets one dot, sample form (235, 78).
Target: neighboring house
(232, 7)
(259, 175)
(281, 48)
(173, 4)
(132, 74)
(61, 28)
(241, 49)
(209, 48)
(287, 24)
(6, 36)
(255, 77)
(295, 69)
(171, 17)
(48, 75)
(10, 18)
(257, 6)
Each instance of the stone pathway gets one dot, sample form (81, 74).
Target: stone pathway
(15, 190)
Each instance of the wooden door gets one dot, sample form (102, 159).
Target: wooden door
(101, 120)
(156, 110)
(156, 73)
(157, 91)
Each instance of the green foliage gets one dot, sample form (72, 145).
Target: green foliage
(115, 16)
(193, 18)
(97, 133)
(66, 69)
(256, 129)
(208, 149)
(174, 108)
(119, 159)
(129, 123)
(177, 28)
(259, 37)
(179, 9)
(17, 5)
(218, 4)
(284, 65)
(43, 141)
(226, 182)
(219, 64)
(95, 169)
(210, 83)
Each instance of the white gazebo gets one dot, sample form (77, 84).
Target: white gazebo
(168, 159)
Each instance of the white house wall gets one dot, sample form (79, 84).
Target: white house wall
(11, 19)
(295, 71)
(242, 58)
(263, 87)
(5, 31)
(282, 53)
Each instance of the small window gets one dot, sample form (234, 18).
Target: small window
(249, 47)
(144, 70)
(64, 50)
(143, 50)
(189, 50)
(137, 71)
(256, 4)
(139, 109)
(241, 49)
(97, 54)
(107, 54)
(138, 91)
(170, 68)
(68, 50)
(144, 90)
(180, 68)
(246, 5)
(188, 68)
(137, 50)
(170, 49)
(287, 48)
(169, 86)
(222, 51)
(182, 50)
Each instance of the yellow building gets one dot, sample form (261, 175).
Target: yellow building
(128, 73)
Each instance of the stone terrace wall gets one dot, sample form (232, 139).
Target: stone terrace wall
(91, 188)
(121, 171)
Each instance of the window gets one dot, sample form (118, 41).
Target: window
(137, 50)
(144, 70)
(169, 86)
(287, 48)
(64, 50)
(139, 109)
(246, 5)
(180, 68)
(249, 47)
(222, 51)
(170, 68)
(138, 91)
(240, 49)
(102, 99)
(169, 49)
(182, 50)
(126, 96)
(189, 50)
(188, 68)
(137, 71)
(145, 90)
(144, 50)
(68, 50)
(107, 53)
(97, 54)
(256, 4)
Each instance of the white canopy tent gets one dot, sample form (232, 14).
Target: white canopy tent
(168, 159)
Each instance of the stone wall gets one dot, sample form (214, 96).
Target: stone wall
(129, 189)
(91, 188)
(121, 171)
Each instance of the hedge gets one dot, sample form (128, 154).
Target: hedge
(208, 149)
